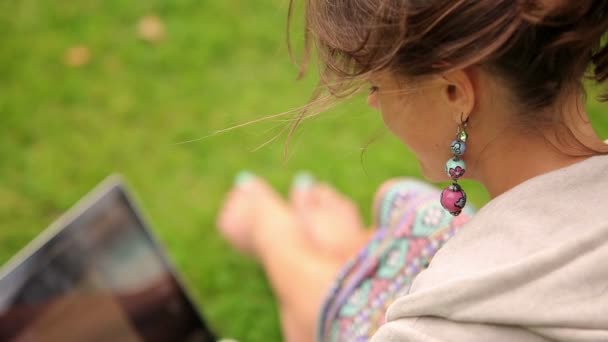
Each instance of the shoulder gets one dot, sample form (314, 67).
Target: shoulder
(433, 329)
(519, 262)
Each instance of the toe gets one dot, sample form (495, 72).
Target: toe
(330, 197)
(300, 194)
(250, 200)
(230, 221)
(326, 196)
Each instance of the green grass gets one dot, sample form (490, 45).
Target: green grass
(64, 129)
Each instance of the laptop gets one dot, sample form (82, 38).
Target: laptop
(97, 274)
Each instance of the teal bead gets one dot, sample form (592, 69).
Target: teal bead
(455, 168)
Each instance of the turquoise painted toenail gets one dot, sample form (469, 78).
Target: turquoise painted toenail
(303, 181)
(243, 177)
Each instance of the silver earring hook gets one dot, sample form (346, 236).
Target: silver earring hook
(464, 123)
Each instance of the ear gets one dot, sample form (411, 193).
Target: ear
(459, 92)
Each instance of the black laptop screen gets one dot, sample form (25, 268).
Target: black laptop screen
(102, 277)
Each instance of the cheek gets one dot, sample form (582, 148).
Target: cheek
(399, 118)
(409, 123)
(419, 127)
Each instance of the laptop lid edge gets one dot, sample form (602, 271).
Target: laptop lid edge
(102, 189)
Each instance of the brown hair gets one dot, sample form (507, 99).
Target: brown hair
(539, 48)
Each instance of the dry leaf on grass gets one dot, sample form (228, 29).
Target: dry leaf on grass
(151, 29)
(77, 56)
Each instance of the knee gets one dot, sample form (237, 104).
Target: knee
(396, 190)
(402, 184)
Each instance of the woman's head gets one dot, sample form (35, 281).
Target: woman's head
(435, 63)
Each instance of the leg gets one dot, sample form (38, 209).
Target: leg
(300, 277)
(330, 219)
(257, 221)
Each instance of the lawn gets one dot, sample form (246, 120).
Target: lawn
(127, 107)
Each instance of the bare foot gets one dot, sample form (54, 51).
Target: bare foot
(329, 218)
(249, 207)
(257, 221)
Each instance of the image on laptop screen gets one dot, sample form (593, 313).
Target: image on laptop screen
(100, 276)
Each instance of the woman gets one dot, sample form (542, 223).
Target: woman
(493, 87)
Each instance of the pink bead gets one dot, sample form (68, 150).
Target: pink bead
(453, 199)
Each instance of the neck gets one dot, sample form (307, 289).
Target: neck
(507, 160)
(509, 163)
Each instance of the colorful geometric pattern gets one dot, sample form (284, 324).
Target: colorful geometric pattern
(412, 226)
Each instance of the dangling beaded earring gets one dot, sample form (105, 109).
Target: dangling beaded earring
(453, 198)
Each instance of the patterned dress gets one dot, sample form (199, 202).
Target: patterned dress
(412, 226)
